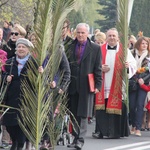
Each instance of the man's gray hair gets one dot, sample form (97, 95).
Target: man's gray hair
(113, 29)
(84, 24)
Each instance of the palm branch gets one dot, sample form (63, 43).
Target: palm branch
(38, 98)
(122, 26)
(4, 85)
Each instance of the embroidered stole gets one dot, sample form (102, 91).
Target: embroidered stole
(114, 104)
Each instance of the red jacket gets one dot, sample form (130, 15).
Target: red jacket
(145, 87)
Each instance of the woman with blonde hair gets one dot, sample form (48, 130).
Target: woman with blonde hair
(100, 38)
(10, 47)
(131, 42)
(93, 36)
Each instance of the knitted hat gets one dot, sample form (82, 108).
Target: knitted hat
(24, 41)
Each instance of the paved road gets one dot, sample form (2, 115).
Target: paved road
(129, 143)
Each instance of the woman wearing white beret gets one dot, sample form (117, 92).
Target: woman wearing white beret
(16, 71)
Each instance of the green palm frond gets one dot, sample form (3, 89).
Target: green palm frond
(122, 26)
(39, 100)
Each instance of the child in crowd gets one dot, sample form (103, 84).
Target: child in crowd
(146, 117)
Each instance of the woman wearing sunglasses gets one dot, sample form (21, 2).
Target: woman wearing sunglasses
(10, 47)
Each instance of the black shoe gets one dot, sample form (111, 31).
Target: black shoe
(148, 129)
(79, 144)
(14, 146)
(114, 137)
(90, 121)
(72, 145)
(97, 135)
(44, 148)
(142, 129)
(19, 148)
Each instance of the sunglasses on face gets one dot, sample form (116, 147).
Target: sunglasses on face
(15, 33)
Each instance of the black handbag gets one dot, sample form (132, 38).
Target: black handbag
(133, 84)
(145, 76)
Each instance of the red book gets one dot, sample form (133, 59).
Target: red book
(91, 82)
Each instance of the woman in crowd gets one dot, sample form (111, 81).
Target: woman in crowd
(5, 139)
(137, 97)
(93, 36)
(6, 30)
(3, 58)
(32, 38)
(100, 38)
(131, 42)
(16, 71)
(146, 116)
(10, 47)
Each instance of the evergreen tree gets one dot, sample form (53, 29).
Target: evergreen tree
(140, 17)
(109, 12)
(75, 17)
(145, 21)
(136, 17)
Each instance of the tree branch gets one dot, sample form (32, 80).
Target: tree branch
(3, 3)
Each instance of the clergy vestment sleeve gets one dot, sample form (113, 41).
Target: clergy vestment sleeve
(132, 64)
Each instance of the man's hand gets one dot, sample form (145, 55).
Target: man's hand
(105, 68)
(9, 78)
(40, 69)
(127, 64)
(53, 84)
(60, 91)
(96, 91)
(141, 81)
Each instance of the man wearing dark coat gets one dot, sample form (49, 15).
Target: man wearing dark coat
(84, 58)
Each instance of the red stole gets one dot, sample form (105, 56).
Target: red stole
(114, 104)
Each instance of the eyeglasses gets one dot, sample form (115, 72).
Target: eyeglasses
(15, 33)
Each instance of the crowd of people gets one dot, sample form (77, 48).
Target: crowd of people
(101, 56)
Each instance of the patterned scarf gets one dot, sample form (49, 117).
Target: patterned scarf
(21, 63)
